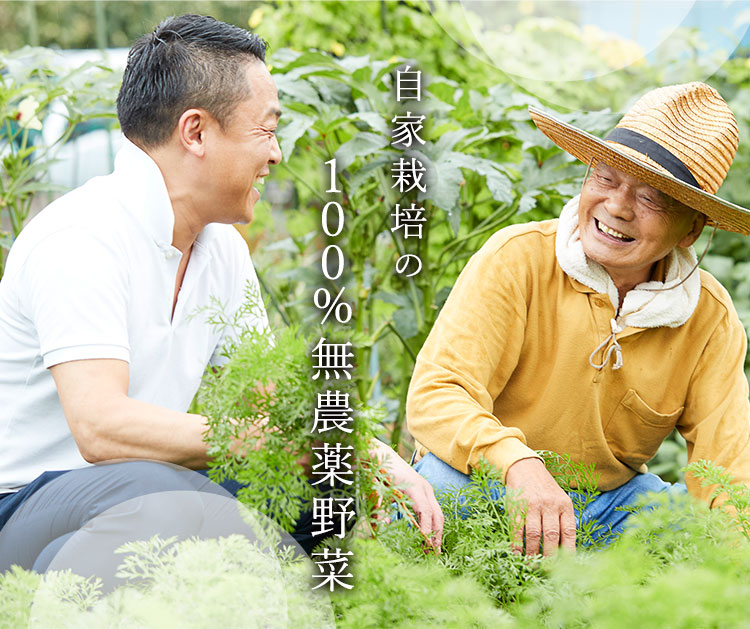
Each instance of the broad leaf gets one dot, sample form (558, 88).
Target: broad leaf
(360, 145)
(374, 120)
(405, 322)
(293, 131)
(297, 90)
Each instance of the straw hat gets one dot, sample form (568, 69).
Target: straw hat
(679, 139)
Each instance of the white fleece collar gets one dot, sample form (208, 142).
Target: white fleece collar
(640, 308)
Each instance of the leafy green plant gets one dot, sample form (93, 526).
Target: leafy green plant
(17, 589)
(393, 591)
(486, 167)
(676, 565)
(479, 530)
(267, 382)
(229, 581)
(581, 482)
(672, 545)
(734, 496)
(31, 79)
(260, 406)
(480, 543)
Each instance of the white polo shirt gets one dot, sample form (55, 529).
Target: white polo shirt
(93, 276)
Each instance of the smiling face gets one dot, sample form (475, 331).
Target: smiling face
(627, 226)
(239, 155)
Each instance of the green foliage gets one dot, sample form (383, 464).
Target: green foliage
(266, 382)
(491, 166)
(99, 23)
(194, 583)
(486, 167)
(677, 565)
(479, 543)
(734, 497)
(260, 406)
(391, 591)
(581, 482)
(380, 29)
(17, 589)
(670, 543)
(487, 164)
(479, 530)
(31, 80)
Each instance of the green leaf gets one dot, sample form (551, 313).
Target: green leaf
(444, 89)
(445, 177)
(374, 120)
(40, 186)
(369, 170)
(308, 72)
(297, 90)
(442, 182)
(292, 59)
(397, 299)
(442, 295)
(454, 220)
(353, 63)
(449, 139)
(381, 68)
(498, 183)
(333, 90)
(405, 323)
(360, 145)
(463, 106)
(293, 131)
(6, 240)
(528, 201)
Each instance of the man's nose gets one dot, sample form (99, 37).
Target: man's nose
(619, 203)
(275, 157)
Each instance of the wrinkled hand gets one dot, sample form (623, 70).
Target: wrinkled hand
(429, 513)
(549, 518)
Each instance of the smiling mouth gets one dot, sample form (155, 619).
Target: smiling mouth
(611, 232)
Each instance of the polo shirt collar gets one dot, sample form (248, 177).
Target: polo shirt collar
(143, 193)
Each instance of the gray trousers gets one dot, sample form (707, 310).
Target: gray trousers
(77, 519)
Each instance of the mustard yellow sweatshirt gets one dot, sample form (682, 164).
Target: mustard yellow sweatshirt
(505, 371)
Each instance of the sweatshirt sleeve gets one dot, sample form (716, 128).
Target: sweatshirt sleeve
(464, 364)
(716, 421)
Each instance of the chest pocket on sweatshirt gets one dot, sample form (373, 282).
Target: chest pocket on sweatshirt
(635, 431)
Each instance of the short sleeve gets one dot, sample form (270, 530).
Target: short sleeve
(75, 292)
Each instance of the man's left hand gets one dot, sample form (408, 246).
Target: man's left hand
(429, 514)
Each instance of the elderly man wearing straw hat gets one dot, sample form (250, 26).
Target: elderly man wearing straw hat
(594, 334)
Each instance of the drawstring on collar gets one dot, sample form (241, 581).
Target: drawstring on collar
(615, 347)
(652, 304)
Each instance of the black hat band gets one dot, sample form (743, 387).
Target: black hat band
(654, 151)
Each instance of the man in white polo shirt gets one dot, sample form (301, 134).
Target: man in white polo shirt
(100, 354)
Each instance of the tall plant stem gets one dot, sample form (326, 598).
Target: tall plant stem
(427, 285)
(299, 178)
(362, 354)
(406, 368)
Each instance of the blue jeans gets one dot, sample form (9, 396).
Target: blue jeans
(443, 477)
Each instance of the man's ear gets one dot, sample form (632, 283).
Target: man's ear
(191, 129)
(699, 221)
